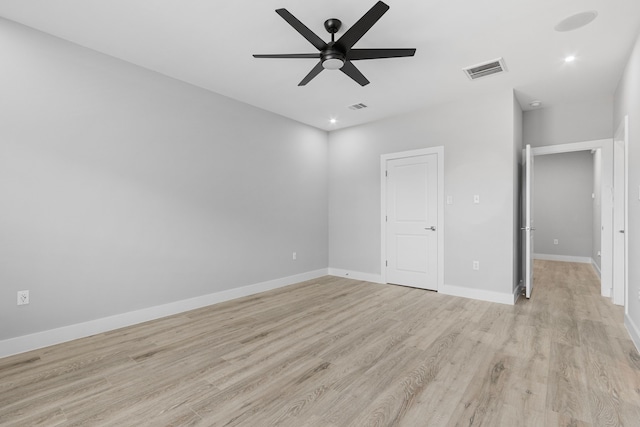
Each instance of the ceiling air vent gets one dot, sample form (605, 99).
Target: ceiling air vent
(359, 106)
(486, 69)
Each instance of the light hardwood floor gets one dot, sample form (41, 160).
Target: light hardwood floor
(336, 352)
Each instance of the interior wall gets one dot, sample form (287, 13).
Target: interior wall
(577, 122)
(478, 139)
(123, 189)
(568, 123)
(627, 102)
(563, 206)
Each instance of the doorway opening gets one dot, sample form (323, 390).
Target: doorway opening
(603, 151)
(567, 207)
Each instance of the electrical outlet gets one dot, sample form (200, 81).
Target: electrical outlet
(476, 199)
(23, 297)
(476, 265)
(294, 256)
(555, 241)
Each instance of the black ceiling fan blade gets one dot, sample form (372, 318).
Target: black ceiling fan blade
(314, 72)
(289, 55)
(302, 29)
(358, 54)
(363, 25)
(350, 70)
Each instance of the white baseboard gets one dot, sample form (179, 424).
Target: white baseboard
(634, 331)
(480, 294)
(42, 339)
(563, 258)
(356, 275)
(596, 268)
(457, 291)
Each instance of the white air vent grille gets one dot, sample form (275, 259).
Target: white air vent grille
(485, 69)
(359, 106)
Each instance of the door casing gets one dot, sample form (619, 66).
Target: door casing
(620, 215)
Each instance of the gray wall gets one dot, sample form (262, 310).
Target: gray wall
(627, 102)
(563, 207)
(478, 139)
(567, 123)
(123, 189)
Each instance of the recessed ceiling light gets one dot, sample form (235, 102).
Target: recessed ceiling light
(570, 58)
(333, 121)
(576, 21)
(535, 104)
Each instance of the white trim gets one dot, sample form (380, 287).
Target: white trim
(563, 258)
(528, 200)
(356, 275)
(439, 151)
(634, 331)
(626, 221)
(596, 267)
(518, 291)
(571, 147)
(42, 339)
(620, 296)
(480, 294)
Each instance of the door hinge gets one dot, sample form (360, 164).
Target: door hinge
(386, 218)
(386, 173)
(386, 263)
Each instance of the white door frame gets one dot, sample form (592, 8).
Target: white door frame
(619, 290)
(439, 151)
(528, 226)
(606, 245)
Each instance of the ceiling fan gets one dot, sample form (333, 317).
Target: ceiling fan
(338, 54)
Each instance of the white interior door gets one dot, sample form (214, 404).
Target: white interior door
(527, 227)
(619, 216)
(411, 221)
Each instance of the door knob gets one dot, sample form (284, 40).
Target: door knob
(432, 228)
(621, 231)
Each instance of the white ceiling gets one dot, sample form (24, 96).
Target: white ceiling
(209, 43)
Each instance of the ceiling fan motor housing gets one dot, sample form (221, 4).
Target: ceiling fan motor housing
(332, 57)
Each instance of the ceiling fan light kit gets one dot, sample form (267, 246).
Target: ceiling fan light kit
(339, 54)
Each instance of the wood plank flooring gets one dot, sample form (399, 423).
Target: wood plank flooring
(336, 352)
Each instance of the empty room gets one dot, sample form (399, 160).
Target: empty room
(319, 214)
